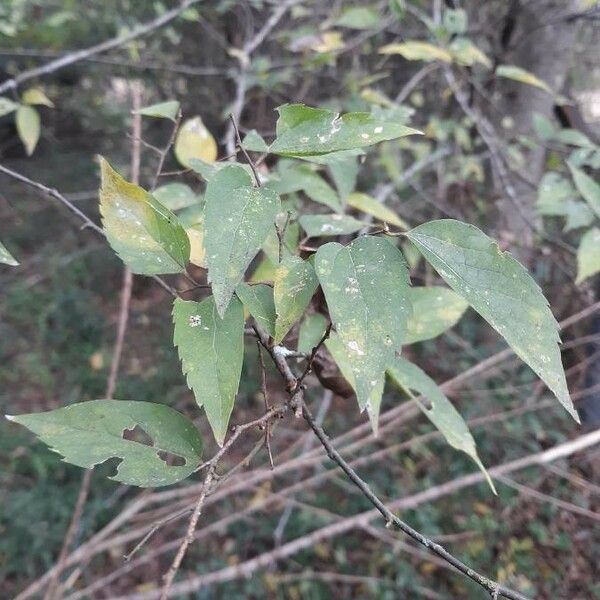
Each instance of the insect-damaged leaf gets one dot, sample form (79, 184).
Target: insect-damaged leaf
(211, 350)
(237, 219)
(436, 406)
(258, 301)
(89, 433)
(6, 257)
(366, 287)
(147, 236)
(501, 291)
(305, 131)
(295, 284)
(435, 309)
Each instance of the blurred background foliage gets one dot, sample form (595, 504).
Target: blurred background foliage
(59, 307)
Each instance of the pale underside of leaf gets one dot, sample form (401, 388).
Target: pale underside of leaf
(501, 291)
(6, 257)
(437, 408)
(89, 433)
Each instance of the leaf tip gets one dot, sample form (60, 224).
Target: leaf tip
(12, 418)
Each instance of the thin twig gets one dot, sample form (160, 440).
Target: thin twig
(245, 153)
(265, 394)
(86, 53)
(210, 475)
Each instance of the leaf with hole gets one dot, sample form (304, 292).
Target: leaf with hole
(305, 131)
(294, 286)
(6, 257)
(435, 310)
(27, 121)
(437, 408)
(258, 301)
(330, 225)
(237, 220)
(588, 255)
(90, 433)
(211, 350)
(501, 290)
(147, 236)
(194, 141)
(366, 286)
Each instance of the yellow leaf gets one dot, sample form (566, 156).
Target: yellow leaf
(414, 50)
(36, 96)
(97, 360)
(195, 141)
(328, 42)
(521, 75)
(197, 252)
(28, 127)
(371, 206)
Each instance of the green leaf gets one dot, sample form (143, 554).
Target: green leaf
(208, 170)
(162, 110)
(501, 290)
(27, 121)
(588, 255)
(253, 142)
(415, 50)
(465, 52)
(36, 96)
(455, 21)
(359, 17)
(147, 236)
(258, 301)
(295, 283)
(305, 131)
(175, 196)
(344, 174)
(588, 188)
(238, 218)
(366, 287)
(522, 76)
(89, 433)
(435, 309)
(330, 225)
(439, 410)
(7, 106)
(311, 331)
(296, 178)
(6, 257)
(340, 355)
(194, 141)
(211, 350)
(573, 137)
(373, 207)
